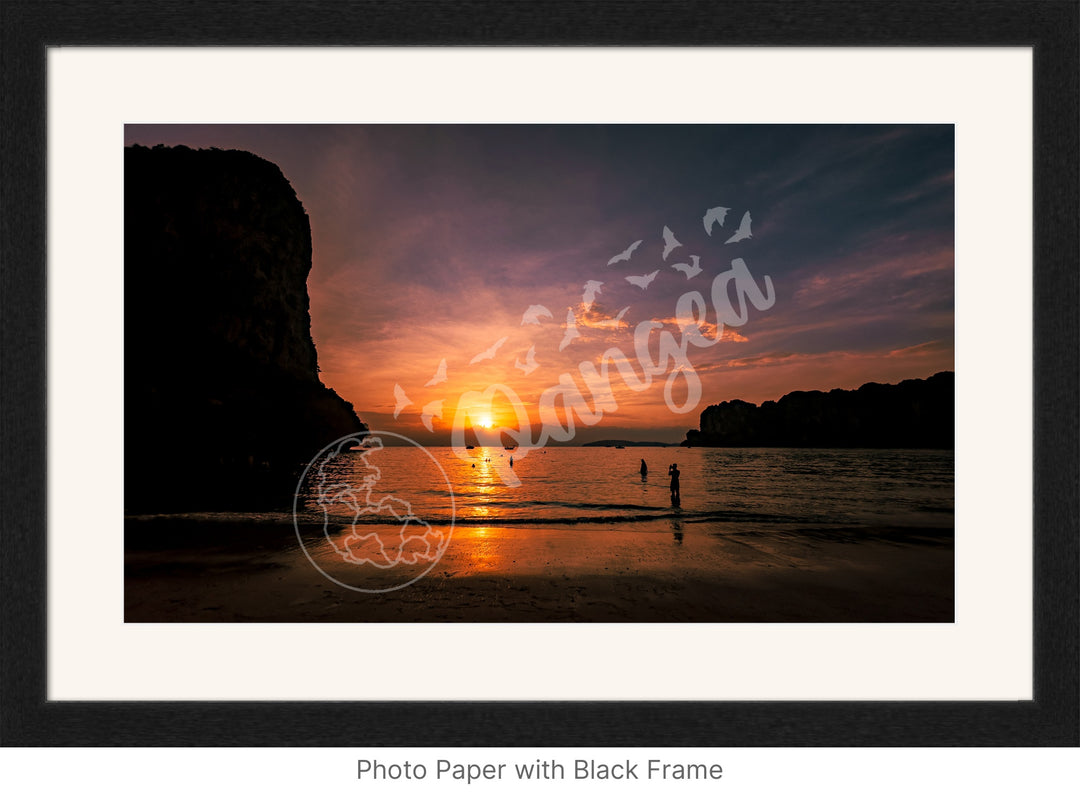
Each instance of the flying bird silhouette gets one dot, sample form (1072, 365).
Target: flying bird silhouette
(440, 375)
(489, 353)
(690, 270)
(534, 313)
(670, 243)
(432, 410)
(530, 364)
(592, 289)
(743, 231)
(624, 256)
(571, 332)
(400, 400)
(642, 281)
(714, 215)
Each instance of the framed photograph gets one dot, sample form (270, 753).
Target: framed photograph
(604, 376)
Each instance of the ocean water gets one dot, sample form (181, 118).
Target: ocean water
(575, 485)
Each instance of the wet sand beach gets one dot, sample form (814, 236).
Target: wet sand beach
(229, 569)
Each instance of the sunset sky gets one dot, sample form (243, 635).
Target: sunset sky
(430, 242)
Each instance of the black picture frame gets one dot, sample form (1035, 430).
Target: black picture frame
(29, 28)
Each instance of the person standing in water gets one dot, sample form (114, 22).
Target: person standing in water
(673, 472)
(644, 470)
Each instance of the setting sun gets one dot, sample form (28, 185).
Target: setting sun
(485, 422)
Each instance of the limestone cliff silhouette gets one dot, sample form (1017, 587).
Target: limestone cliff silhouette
(916, 413)
(223, 402)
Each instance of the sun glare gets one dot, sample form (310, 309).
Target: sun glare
(486, 422)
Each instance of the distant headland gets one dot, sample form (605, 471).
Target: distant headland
(916, 413)
(630, 443)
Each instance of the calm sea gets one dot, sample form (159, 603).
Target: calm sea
(603, 485)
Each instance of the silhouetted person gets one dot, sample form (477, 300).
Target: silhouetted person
(511, 462)
(673, 472)
(644, 470)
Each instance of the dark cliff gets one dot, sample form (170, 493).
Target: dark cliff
(223, 402)
(916, 413)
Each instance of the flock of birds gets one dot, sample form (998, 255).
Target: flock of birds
(535, 314)
(714, 216)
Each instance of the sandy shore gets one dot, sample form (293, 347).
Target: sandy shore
(184, 570)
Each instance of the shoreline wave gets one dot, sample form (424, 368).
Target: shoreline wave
(476, 521)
